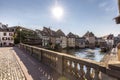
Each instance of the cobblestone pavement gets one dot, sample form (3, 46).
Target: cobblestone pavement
(16, 64)
(9, 66)
(32, 68)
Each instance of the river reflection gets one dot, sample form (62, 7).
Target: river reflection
(93, 54)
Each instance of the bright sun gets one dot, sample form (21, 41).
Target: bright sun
(57, 12)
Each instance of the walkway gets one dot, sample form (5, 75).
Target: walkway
(9, 66)
(109, 59)
(14, 61)
(17, 65)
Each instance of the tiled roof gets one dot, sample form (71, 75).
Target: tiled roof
(77, 36)
(3, 27)
(86, 34)
(49, 31)
(118, 34)
(20, 27)
(44, 33)
(60, 33)
(71, 35)
(89, 34)
(110, 36)
(0, 29)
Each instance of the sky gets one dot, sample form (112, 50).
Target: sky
(79, 16)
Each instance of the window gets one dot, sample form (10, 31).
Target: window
(9, 44)
(12, 29)
(4, 34)
(8, 38)
(3, 38)
(4, 43)
(10, 34)
(11, 38)
(81, 43)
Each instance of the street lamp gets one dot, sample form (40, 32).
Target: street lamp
(20, 35)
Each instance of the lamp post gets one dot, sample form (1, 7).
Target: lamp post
(20, 35)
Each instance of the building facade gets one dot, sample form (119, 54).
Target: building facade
(100, 41)
(109, 40)
(44, 36)
(6, 38)
(61, 38)
(90, 39)
(80, 42)
(71, 40)
(52, 36)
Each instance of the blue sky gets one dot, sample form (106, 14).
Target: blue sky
(79, 16)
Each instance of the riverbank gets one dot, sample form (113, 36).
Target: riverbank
(109, 58)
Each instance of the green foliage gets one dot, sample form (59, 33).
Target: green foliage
(17, 37)
(22, 35)
(57, 47)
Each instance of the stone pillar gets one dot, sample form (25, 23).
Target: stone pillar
(118, 51)
(31, 50)
(59, 64)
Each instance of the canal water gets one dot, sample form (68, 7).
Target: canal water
(93, 54)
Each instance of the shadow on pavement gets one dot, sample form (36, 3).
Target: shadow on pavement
(37, 70)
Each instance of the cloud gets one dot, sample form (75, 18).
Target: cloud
(109, 9)
(102, 5)
(107, 6)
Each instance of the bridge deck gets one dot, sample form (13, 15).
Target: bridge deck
(17, 65)
(9, 66)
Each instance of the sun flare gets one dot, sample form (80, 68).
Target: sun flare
(57, 12)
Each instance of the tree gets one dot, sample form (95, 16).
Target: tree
(23, 35)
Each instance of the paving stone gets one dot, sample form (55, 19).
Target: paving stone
(9, 66)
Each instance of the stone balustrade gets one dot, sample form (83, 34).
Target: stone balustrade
(72, 67)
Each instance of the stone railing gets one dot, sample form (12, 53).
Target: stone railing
(69, 66)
